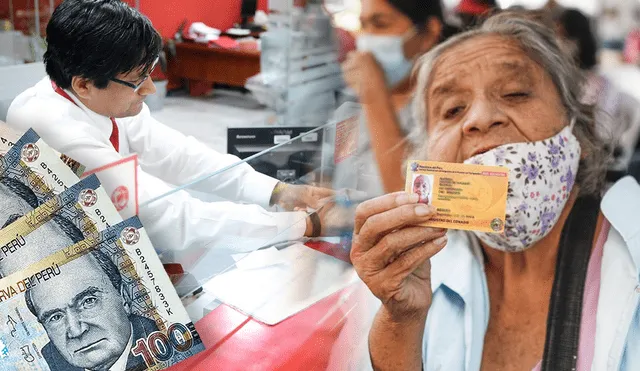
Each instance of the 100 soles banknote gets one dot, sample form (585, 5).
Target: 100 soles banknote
(33, 173)
(8, 137)
(56, 170)
(103, 303)
(80, 212)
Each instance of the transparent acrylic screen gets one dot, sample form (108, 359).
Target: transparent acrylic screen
(270, 279)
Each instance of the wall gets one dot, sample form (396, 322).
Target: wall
(24, 16)
(167, 15)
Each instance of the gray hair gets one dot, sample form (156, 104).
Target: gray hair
(539, 42)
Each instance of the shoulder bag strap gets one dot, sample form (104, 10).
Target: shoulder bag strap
(565, 309)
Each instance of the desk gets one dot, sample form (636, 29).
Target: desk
(200, 63)
(237, 342)
(329, 335)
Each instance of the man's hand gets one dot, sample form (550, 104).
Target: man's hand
(335, 219)
(391, 253)
(292, 197)
(363, 74)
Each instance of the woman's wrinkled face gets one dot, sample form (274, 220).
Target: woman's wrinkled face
(486, 92)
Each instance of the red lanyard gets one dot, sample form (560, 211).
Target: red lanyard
(114, 138)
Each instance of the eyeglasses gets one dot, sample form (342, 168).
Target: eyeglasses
(137, 86)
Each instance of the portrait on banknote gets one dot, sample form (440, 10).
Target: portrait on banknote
(83, 210)
(47, 169)
(31, 173)
(16, 200)
(87, 316)
(101, 304)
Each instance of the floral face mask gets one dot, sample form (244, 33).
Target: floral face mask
(541, 177)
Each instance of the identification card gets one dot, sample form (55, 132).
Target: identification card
(469, 197)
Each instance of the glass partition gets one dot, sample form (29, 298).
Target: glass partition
(315, 157)
(273, 280)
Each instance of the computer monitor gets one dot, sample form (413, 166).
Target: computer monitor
(248, 10)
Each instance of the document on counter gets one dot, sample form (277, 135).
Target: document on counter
(275, 292)
(469, 197)
(259, 259)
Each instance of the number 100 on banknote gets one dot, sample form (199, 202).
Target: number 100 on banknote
(468, 197)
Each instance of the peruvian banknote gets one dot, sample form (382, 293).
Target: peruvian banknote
(39, 156)
(32, 232)
(8, 137)
(119, 178)
(30, 174)
(104, 303)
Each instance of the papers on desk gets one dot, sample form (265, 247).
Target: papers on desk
(273, 285)
(260, 259)
(201, 33)
(238, 32)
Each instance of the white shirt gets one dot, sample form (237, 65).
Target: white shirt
(456, 325)
(178, 221)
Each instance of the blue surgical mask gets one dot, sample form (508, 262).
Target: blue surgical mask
(389, 53)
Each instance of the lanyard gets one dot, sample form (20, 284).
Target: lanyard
(114, 138)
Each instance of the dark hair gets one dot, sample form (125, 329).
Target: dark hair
(21, 190)
(489, 3)
(70, 230)
(97, 40)
(107, 266)
(577, 27)
(25, 193)
(421, 11)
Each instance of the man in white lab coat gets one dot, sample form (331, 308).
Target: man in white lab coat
(99, 56)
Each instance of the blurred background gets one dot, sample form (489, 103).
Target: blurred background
(263, 80)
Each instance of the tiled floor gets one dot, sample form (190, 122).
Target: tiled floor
(207, 118)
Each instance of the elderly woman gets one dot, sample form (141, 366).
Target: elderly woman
(559, 289)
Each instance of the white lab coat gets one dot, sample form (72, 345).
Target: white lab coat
(177, 221)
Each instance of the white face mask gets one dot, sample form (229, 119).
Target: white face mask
(541, 177)
(389, 52)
